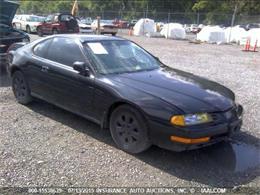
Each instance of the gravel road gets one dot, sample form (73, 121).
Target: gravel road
(42, 145)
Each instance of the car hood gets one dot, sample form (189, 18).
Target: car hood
(7, 11)
(190, 93)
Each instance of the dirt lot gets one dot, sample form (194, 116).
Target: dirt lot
(42, 145)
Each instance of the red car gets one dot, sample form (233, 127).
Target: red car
(58, 23)
(120, 23)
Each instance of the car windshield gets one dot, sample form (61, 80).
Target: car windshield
(35, 19)
(120, 57)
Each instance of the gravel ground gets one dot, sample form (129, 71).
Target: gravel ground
(42, 145)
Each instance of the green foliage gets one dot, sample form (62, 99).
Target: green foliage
(211, 11)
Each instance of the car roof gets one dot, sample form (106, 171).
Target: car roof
(87, 38)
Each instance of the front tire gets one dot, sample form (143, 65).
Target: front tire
(129, 130)
(21, 88)
(39, 32)
(28, 29)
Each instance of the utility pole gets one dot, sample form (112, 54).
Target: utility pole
(233, 20)
(98, 25)
(147, 8)
(234, 15)
(198, 17)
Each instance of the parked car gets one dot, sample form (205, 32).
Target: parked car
(16, 19)
(84, 28)
(28, 23)
(87, 20)
(9, 35)
(106, 27)
(120, 23)
(122, 87)
(132, 23)
(253, 25)
(58, 23)
(194, 28)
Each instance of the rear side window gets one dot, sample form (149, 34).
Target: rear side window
(42, 48)
(65, 51)
(65, 17)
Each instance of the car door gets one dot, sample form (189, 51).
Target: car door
(70, 89)
(47, 25)
(23, 22)
(36, 69)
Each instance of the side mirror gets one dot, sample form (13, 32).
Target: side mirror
(81, 68)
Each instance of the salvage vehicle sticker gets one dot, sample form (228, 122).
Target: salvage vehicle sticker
(97, 48)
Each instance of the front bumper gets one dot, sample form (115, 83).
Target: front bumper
(88, 31)
(160, 134)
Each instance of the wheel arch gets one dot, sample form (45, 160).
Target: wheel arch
(13, 69)
(107, 115)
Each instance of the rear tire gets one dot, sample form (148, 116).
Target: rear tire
(129, 130)
(113, 34)
(21, 88)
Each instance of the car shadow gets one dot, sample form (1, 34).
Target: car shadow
(5, 80)
(226, 164)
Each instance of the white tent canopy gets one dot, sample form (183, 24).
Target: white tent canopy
(144, 26)
(173, 31)
(234, 34)
(212, 34)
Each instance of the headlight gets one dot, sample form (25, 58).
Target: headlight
(191, 119)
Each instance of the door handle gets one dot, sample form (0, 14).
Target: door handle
(45, 69)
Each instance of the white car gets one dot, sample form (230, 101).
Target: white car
(28, 23)
(106, 27)
(84, 28)
(16, 19)
(87, 20)
(194, 28)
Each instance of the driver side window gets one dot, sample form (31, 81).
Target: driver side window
(65, 51)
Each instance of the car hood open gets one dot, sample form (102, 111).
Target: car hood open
(188, 92)
(7, 11)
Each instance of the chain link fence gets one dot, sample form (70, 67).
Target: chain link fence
(165, 17)
(183, 18)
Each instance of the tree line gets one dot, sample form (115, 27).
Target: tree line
(213, 10)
